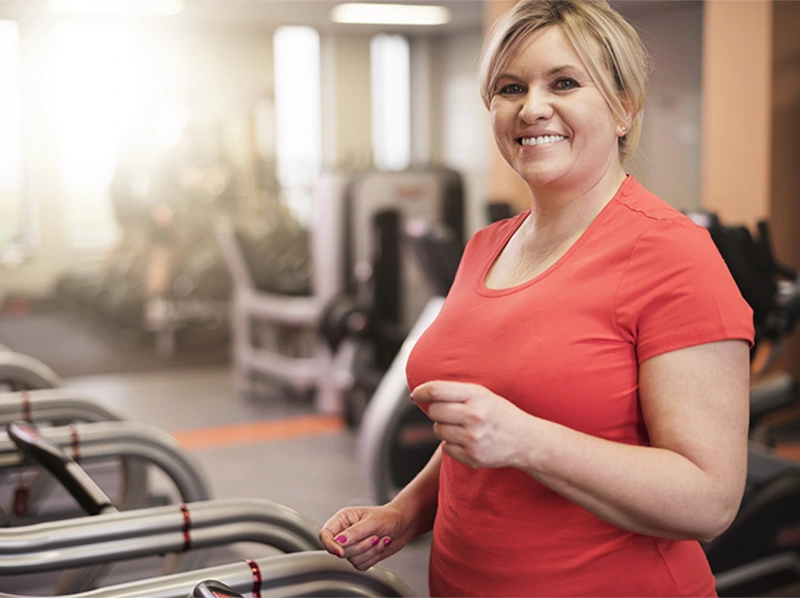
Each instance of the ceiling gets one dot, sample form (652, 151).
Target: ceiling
(467, 15)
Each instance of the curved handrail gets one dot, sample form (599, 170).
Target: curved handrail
(53, 405)
(113, 537)
(387, 404)
(300, 574)
(19, 368)
(123, 439)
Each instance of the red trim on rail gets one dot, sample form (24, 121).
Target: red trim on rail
(256, 571)
(187, 525)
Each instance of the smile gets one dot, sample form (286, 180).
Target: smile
(543, 140)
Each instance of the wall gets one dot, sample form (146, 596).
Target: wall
(669, 158)
(785, 146)
(737, 88)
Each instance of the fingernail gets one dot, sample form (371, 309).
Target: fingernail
(341, 539)
(339, 553)
(387, 541)
(375, 541)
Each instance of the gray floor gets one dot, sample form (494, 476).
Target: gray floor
(315, 475)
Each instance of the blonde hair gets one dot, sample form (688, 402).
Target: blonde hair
(608, 45)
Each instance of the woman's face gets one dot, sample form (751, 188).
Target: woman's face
(550, 121)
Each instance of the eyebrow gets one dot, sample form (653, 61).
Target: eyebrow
(553, 71)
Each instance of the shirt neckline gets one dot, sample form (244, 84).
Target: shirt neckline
(626, 188)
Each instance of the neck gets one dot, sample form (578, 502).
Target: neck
(559, 214)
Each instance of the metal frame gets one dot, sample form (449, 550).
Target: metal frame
(26, 370)
(53, 405)
(114, 537)
(384, 410)
(299, 574)
(124, 439)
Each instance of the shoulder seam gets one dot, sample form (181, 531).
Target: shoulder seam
(666, 218)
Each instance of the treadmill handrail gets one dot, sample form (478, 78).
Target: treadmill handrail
(301, 574)
(53, 404)
(21, 368)
(112, 537)
(123, 439)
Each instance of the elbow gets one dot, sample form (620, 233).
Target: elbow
(719, 519)
(716, 528)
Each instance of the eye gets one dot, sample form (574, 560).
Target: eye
(510, 89)
(565, 84)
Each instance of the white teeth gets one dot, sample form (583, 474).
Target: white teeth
(542, 140)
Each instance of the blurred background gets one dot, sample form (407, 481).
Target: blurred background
(127, 127)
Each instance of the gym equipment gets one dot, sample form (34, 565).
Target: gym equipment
(299, 574)
(119, 440)
(365, 284)
(383, 287)
(113, 535)
(57, 406)
(23, 372)
(154, 531)
(32, 548)
(60, 407)
(396, 438)
(212, 588)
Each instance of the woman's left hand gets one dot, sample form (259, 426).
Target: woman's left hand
(478, 427)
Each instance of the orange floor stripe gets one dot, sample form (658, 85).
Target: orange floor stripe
(261, 431)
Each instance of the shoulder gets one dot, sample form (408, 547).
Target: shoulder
(652, 224)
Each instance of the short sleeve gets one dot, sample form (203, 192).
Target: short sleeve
(677, 292)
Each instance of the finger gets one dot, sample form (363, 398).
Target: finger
(441, 390)
(361, 530)
(379, 551)
(331, 535)
(448, 413)
(361, 547)
(330, 545)
(450, 433)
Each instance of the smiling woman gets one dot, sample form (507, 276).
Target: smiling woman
(593, 418)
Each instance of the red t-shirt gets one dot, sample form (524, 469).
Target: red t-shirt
(565, 346)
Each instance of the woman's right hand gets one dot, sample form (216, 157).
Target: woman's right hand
(366, 535)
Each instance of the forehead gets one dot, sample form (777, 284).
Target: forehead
(544, 49)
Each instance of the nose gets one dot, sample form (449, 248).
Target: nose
(536, 105)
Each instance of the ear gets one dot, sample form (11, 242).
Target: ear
(627, 105)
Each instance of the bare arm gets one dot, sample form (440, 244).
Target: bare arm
(687, 484)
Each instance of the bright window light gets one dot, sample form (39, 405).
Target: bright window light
(390, 14)
(98, 86)
(10, 115)
(391, 101)
(11, 206)
(298, 115)
(118, 7)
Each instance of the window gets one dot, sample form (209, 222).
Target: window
(97, 86)
(391, 100)
(298, 120)
(12, 202)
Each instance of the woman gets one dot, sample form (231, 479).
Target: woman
(588, 373)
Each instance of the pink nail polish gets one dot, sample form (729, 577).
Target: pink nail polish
(339, 553)
(387, 541)
(375, 541)
(341, 539)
